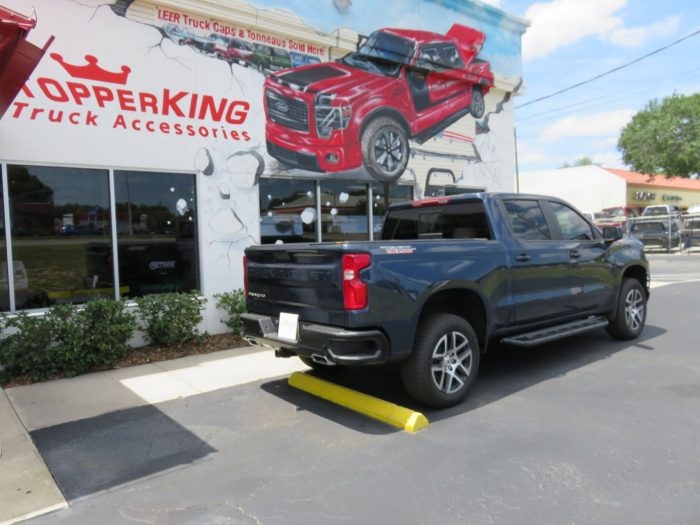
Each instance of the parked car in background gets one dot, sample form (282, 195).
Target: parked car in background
(617, 216)
(302, 59)
(178, 34)
(656, 234)
(201, 42)
(268, 58)
(237, 51)
(662, 209)
(692, 232)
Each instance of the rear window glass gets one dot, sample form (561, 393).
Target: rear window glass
(465, 220)
(649, 227)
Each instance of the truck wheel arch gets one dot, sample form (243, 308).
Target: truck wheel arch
(464, 301)
(384, 111)
(633, 271)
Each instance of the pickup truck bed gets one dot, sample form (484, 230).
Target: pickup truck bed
(448, 276)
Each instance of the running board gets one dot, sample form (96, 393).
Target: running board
(553, 333)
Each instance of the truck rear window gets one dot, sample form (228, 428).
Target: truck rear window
(466, 220)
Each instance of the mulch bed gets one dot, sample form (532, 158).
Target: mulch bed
(153, 354)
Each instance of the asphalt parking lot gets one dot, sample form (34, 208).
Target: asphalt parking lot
(585, 430)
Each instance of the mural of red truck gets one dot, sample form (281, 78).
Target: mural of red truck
(361, 110)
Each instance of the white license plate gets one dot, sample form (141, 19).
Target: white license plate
(288, 326)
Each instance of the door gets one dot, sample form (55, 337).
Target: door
(540, 273)
(592, 277)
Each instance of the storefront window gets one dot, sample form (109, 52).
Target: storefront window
(156, 232)
(287, 211)
(344, 211)
(60, 235)
(385, 195)
(4, 290)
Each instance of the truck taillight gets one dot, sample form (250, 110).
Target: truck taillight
(245, 275)
(354, 290)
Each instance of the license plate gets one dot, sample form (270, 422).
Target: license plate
(288, 327)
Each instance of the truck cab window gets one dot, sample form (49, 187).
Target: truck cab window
(527, 220)
(571, 224)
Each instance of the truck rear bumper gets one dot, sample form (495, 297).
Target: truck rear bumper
(341, 346)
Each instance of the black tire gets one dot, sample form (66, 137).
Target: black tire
(631, 313)
(435, 347)
(385, 149)
(477, 107)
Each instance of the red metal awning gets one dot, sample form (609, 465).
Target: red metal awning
(18, 58)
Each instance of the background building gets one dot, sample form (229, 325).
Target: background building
(593, 188)
(135, 159)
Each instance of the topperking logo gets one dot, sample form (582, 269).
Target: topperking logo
(78, 100)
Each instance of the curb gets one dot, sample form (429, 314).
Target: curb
(384, 411)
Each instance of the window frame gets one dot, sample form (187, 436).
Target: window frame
(4, 180)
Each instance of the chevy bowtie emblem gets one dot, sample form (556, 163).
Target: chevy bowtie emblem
(282, 106)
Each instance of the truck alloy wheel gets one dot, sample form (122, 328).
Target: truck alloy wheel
(384, 149)
(444, 361)
(631, 311)
(477, 107)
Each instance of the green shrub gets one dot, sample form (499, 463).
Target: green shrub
(234, 304)
(171, 319)
(66, 340)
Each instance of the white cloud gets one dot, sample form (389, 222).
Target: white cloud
(495, 3)
(558, 23)
(608, 160)
(634, 36)
(528, 155)
(561, 22)
(593, 125)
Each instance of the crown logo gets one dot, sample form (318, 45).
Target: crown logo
(91, 71)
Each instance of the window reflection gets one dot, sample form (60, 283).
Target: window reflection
(344, 211)
(384, 195)
(287, 211)
(59, 216)
(156, 232)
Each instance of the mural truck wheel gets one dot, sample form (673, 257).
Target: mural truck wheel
(477, 107)
(384, 149)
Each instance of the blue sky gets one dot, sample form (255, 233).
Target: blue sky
(572, 40)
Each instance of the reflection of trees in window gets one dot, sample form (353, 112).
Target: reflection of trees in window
(59, 215)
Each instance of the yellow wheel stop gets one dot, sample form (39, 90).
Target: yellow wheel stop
(395, 415)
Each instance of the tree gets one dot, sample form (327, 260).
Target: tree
(664, 137)
(583, 161)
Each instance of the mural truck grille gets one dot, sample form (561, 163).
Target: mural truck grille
(287, 112)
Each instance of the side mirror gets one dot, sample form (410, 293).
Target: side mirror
(612, 233)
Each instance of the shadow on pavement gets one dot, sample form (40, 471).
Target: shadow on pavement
(326, 409)
(504, 371)
(99, 453)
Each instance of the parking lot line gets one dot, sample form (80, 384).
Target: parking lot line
(395, 415)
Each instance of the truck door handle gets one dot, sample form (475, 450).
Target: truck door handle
(523, 257)
(574, 254)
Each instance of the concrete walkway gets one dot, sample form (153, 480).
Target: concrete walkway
(26, 486)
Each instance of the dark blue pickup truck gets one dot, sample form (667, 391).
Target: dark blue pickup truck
(449, 276)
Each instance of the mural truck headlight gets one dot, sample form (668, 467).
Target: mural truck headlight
(330, 116)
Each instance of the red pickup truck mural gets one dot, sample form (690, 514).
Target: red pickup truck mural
(361, 110)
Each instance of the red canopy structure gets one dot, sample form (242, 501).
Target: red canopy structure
(18, 58)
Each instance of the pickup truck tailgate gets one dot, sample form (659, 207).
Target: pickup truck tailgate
(305, 280)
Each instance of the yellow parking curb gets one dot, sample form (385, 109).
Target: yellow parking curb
(371, 406)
